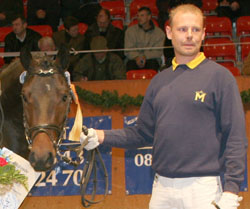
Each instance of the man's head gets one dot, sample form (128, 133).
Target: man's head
(144, 16)
(186, 31)
(46, 43)
(19, 25)
(71, 26)
(99, 43)
(103, 19)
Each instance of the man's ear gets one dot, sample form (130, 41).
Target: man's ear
(204, 33)
(169, 32)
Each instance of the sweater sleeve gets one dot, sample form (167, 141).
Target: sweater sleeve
(234, 141)
(140, 135)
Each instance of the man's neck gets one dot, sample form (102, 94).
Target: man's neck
(21, 36)
(146, 26)
(183, 60)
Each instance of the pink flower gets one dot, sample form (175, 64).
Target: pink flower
(3, 162)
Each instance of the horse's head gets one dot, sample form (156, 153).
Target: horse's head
(46, 101)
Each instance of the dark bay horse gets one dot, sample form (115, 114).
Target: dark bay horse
(40, 114)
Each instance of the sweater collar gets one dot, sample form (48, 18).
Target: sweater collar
(192, 64)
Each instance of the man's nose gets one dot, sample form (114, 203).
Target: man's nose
(189, 33)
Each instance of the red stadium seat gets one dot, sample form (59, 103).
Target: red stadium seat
(118, 24)
(243, 26)
(137, 4)
(234, 70)
(141, 74)
(44, 30)
(218, 27)
(245, 47)
(220, 50)
(1, 58)
(82, 28)
(116, 9)
(3, 32)
(209, 6)
(135, 21)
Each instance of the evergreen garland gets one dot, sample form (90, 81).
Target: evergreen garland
(108, 99)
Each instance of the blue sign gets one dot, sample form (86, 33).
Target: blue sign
(64, 179)
(138, 172)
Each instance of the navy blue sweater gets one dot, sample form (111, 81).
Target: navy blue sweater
(195, 121)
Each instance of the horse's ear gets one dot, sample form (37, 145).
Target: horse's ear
(62, 57)
(25, 57)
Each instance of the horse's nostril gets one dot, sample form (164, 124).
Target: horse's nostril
(50, 160)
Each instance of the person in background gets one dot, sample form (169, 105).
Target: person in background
(192, 116)
(71, 38)
(8, 9)
(46, 43)
(144, 35)
(103, 27)
(99, 65)
(43, 12)
(21, 36)
(228, 8)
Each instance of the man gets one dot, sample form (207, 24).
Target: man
(144, 35)
(9, 8)
(71, 38)
(43, 12)
(228, 8)
(46, 43)
(20, 36)
(103, 27)
(193, 116)
(99, 65)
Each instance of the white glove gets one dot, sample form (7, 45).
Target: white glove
(92, 139)
(228, 201)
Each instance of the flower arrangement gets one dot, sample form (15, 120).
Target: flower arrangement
(10, 175)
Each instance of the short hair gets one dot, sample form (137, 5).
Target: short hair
(70, 21)
(16, 16)
(48, 40)
(106, 11)
(147, 9)
(185, 8)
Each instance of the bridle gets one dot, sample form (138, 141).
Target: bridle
(91, 161)
(32, 132)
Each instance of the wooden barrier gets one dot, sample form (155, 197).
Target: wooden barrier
(118, 199)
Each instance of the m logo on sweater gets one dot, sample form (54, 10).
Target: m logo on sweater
(200, 95)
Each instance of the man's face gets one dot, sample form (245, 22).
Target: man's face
(100, 56)
(186, 33)
(143, 17)
(102, 21)
(18, 26)
(73, 31)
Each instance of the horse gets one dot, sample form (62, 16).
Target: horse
(41, 110)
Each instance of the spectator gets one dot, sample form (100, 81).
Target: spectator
(20, 36)
(103, 27)
(43, 12)
(144, 34)
(228, 8)
(8, 9)
(71, 38)
(99, 65)
(46, 43)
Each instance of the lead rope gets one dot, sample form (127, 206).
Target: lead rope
(89, 168)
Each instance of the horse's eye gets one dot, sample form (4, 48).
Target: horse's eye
(65, 98)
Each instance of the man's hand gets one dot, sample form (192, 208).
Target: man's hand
(2, 16)
(228, 200)
(140, 61)
(91, 139)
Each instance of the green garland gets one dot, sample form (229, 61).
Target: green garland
(108, 99)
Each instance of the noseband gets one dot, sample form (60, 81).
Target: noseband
(32, 132)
